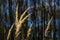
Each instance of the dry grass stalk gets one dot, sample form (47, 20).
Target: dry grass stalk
(29, 30)
(16, 20)
(21, 20)
(48, 26)
(21, 17)
(18, 34)
(10, 32)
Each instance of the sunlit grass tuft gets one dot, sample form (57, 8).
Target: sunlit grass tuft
(21, 20)
(18, 23)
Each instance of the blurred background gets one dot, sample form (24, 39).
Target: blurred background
(42, 12)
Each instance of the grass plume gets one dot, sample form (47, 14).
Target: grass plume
(18, 23)
(21, 20)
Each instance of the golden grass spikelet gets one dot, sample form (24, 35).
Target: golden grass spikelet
(29, 30)
(21, 17)
(19, 24)
(16, 20)
(21, 20)
(10, 32)
(48, 26)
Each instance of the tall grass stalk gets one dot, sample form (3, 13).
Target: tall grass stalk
(29, 30)
(10, 32)
(48, 26)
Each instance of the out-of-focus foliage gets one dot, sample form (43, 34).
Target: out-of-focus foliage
(41, 13)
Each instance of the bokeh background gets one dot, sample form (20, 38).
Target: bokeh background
(42, 11)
